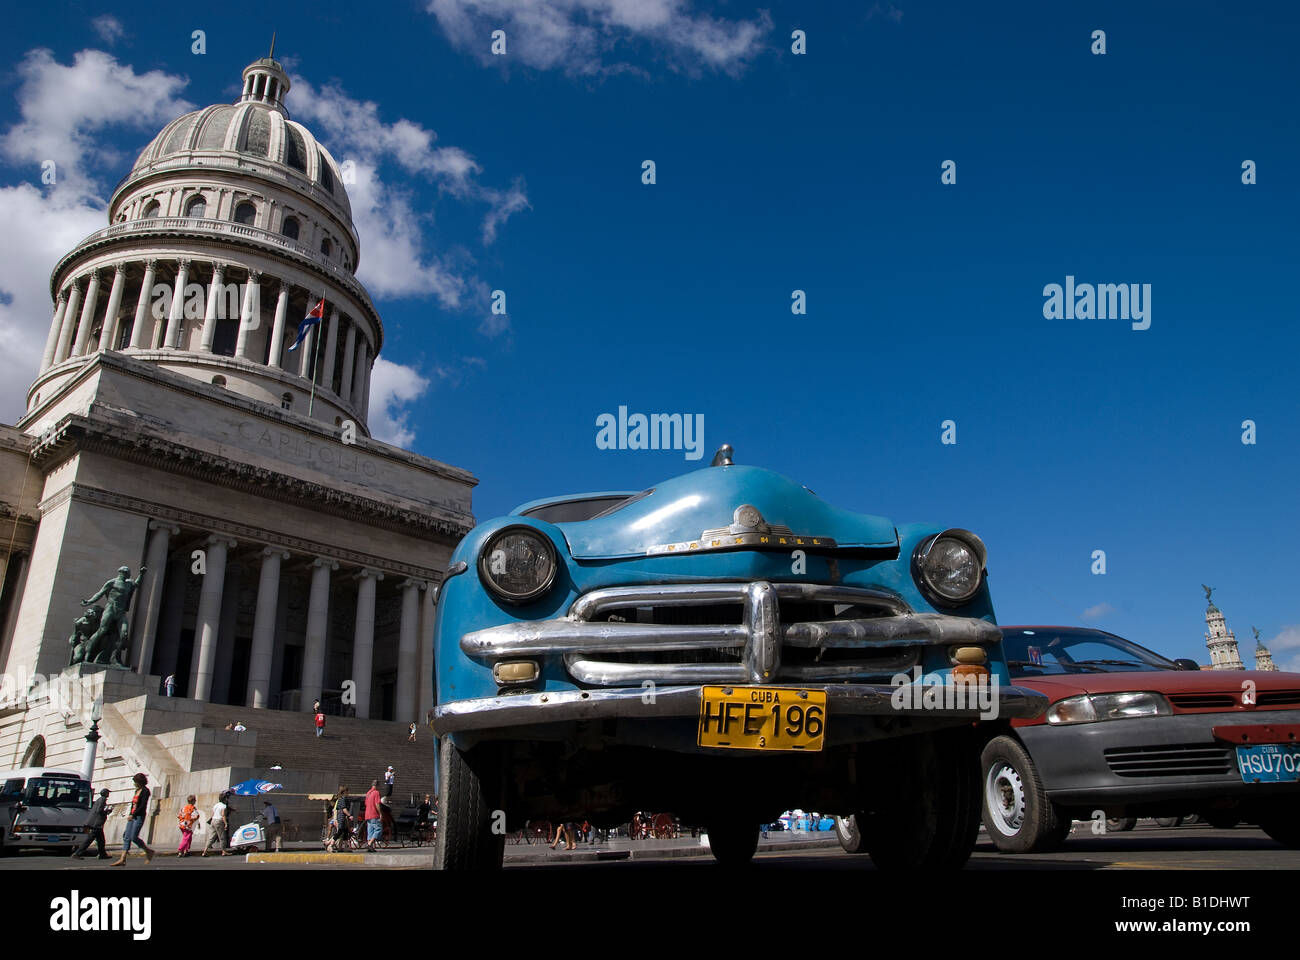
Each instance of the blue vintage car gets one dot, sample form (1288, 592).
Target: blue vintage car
(725, 646)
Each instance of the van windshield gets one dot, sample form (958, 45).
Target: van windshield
(57, 792)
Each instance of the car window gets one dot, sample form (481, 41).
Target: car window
(571, 511)
(1044, 653)
(13, 789)
(57, 792)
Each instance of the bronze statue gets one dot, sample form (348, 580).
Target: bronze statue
(82, 628)
(112, 620)
(1208, 591)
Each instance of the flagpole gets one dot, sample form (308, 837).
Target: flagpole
(315, 353)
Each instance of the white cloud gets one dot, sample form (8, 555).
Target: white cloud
(1285, 648)
(109, 28)
(64, 110)
(580, 37)
(1097, 612)
(392, 387)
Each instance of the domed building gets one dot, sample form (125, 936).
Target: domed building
(1221, 642)
(174, 424)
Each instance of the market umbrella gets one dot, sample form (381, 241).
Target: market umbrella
(253, 788)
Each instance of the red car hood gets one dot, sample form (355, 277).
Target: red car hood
(1161, 681)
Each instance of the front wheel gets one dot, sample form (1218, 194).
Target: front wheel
(732, 842)
(1121, 824)
(1019, 816)
(848, 834)
(470, 837)
(930, 815)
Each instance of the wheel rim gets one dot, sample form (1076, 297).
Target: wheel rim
(1004, 794)
(844, 827)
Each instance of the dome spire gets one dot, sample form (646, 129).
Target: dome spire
(266, 82)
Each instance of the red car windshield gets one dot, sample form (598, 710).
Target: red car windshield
(1048, 652)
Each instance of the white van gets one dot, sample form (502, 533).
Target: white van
(43, 808)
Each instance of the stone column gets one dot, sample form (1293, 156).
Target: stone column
(359, 374)
(108, 335)
(313, 655)
(331, 347)
(365, 392)
(349, 353)
(259, 661)
(210, 315)
(307, 347)
(56, 327)
(277, 331)
(87, 315)
(69, 321)
(177, 315)
(149, 605)
(250, 315)
(17, 573)
(208, 622)
(408, 659)
(141, 332)
(428, 610)
(363, 642)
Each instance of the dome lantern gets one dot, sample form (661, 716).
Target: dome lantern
(265, 82)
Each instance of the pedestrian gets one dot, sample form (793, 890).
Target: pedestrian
(239, 726)
(232, 819)
(390, 779)
(188, 817)
(135, 821)
(220, 827)
(320, 721)
(422, 814)
(374, 821)
(340, 821)
(410, 737)
(95, 827)
(169, 685)
(273, 827)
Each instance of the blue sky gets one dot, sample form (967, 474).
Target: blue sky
(778, 172)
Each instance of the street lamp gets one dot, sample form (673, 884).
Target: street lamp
(92, 739)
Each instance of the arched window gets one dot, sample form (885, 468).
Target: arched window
(286, 402)
(150, 209)
(245, 213)
(197, 207)
(290, 228)
(325, 246)
(35, 755)
(218, 381)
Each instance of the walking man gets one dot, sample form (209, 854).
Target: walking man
(219, 827)
(170, 684)
(320, 722)
(390, 779)
(135, 821)
(374, 818)
(95, 827)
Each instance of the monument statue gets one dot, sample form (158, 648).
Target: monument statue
(112, 620)
(1208, 591)
(82, 628)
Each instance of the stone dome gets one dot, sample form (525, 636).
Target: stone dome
(256, 127)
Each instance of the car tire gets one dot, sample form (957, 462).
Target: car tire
(1169, 821)
(1017, 813)
(930, 818)
(1284, 829)
(1121, 824)
(732, 842)
(848, 834)
(467, 798)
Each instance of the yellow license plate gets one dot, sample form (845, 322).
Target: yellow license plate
(762, 718)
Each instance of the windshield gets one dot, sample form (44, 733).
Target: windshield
(57, 792)
(1045, 652)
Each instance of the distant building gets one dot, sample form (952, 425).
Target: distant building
(1263, 659)
(1220, 640)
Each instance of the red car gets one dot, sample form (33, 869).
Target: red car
(1133, 734)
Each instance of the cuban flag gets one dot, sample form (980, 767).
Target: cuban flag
(313, 318)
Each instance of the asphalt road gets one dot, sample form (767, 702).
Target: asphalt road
(1146, 848)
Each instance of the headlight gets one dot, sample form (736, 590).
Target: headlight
(949, 566)
(517, 564)
(1108, 706)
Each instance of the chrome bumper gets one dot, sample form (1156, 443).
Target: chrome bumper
(890, 639)
(661, 703)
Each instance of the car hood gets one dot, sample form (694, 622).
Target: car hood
(1161, 681)
(679, 511)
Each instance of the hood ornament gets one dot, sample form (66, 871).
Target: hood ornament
(723, 457)
(747, 529)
